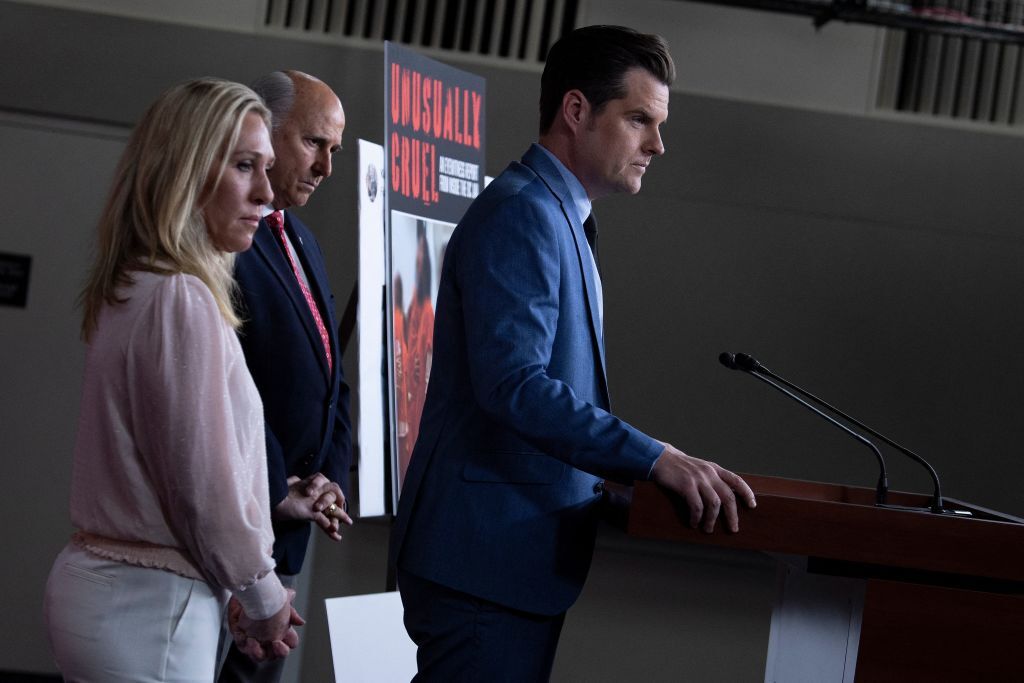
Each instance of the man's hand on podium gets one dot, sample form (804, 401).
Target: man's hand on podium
(707, 489)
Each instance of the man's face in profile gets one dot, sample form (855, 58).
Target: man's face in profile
(615, 144)
(305, 143)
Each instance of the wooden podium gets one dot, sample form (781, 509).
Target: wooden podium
(870, 593)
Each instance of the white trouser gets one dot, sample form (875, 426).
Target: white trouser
(110, 622)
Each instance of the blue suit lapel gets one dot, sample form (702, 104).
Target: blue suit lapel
(542, 166)
(266, 245)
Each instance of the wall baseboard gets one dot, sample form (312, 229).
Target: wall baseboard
(19, 677)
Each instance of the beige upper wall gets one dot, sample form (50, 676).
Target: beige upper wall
(757, 56)
(227, 15)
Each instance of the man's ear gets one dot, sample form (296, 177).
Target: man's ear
(575, 109)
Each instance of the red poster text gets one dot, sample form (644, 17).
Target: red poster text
(414, 168)
(430, 106)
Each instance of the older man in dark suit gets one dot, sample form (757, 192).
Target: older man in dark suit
(290, 338)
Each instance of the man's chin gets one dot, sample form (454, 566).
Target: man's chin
(300, 198)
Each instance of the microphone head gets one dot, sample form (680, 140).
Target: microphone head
(728, 360)
(748, 363)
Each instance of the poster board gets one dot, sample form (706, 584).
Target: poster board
(369, 643)
(434, 151)
(370, 189)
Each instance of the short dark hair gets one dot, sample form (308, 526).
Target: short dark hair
(594, 60)
(278, 92)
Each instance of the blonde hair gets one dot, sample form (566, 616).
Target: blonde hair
(153, 220)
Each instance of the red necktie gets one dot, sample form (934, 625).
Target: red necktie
(276, 222)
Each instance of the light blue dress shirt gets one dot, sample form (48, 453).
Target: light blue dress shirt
(583, 207)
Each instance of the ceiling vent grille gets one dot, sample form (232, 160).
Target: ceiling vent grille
(520, 30)
(956, 78)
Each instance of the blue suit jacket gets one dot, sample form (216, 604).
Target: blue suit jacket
(502, 493)
(305, 405)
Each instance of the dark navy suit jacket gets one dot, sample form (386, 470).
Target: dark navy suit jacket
(502, 493)
(305, 405)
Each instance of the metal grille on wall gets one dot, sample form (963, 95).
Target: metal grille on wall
(995, 20)
(520, 30)
(960, 59)
(955, 77)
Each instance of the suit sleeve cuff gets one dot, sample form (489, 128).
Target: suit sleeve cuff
(656, 450)
(278, 492)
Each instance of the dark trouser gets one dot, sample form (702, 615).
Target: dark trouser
(239, 668)
(465, 639)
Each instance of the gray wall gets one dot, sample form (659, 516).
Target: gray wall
(875, 261)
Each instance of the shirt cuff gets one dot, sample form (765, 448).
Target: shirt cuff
(263, 599)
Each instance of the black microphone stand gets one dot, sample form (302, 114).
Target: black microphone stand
(882, 487)
(750, 364)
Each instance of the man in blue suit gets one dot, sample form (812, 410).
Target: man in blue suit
(496, 523)
(290, 338)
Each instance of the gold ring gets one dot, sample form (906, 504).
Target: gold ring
(330, 509)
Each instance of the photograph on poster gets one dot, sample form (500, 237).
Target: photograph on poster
(417, 251)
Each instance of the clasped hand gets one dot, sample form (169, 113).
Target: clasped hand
(263, 639)
(312, 498)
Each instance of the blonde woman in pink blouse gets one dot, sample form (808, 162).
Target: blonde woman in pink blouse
(169, 485)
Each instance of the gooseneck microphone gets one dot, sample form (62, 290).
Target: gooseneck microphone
(749, 364)
(733, 362)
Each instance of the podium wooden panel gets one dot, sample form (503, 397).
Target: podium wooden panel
(943, 595)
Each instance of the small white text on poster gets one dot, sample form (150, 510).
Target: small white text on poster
(459, 178)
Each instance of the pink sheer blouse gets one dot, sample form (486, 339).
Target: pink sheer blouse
(170, 464)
